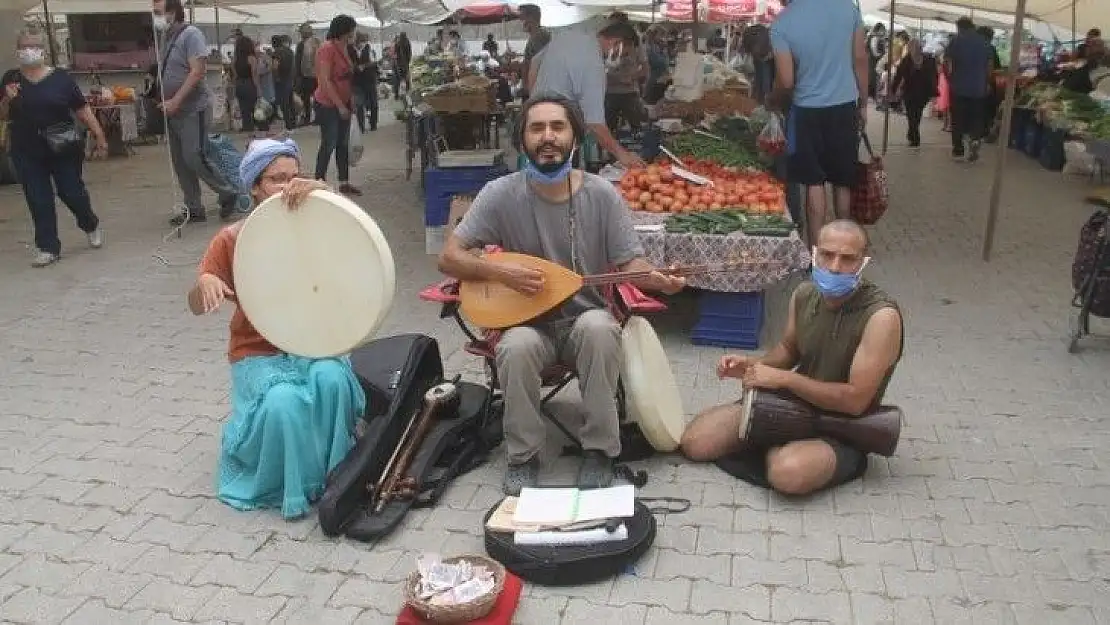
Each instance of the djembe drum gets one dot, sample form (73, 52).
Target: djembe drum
(774, 418)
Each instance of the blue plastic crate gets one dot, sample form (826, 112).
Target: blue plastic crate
(1034, 137)
(440, 185)
(729, 320)
(1052, 156)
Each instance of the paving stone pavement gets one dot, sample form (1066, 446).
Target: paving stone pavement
(995, 509)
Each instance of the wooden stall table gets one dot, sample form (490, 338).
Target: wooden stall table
(731, 304)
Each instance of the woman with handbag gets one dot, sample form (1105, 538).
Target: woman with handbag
(49, 115)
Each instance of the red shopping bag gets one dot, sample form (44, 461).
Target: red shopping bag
(870, 196)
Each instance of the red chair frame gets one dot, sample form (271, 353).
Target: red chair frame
(623, 301)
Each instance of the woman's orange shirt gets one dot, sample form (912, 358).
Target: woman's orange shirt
(334, 56)
(244, 340)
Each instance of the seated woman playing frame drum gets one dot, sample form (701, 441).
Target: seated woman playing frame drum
(842, 342)
(292, 418)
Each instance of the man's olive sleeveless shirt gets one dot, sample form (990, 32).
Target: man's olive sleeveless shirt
(828, 338)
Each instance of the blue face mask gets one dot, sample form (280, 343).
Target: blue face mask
(835, 285)
(549, 174)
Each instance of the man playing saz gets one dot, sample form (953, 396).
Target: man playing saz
(842, 342)
(577, 220)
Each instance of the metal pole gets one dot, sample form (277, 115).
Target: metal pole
(1074, 24)
(50, 33)
(889, 70)
(1004, 133)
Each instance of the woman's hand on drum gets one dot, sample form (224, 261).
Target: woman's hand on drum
(213, 292)
(759, 375)
(733, 366)
(297, 189)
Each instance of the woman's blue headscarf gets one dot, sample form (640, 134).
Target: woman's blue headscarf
(259, 156)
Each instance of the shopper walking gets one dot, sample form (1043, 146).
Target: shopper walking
(335, 101)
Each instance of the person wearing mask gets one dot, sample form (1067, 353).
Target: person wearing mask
(284, 75)
(365, 82)
(821, 68)
(402, 60)
(876, 49)
(573, 66)
(335, 101)
(40, 101)
(969, 63)
(184, 63)
(245, 74)
(304, 61)
(538, 38)
(915, 81)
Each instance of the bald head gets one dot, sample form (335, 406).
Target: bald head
(841, 246)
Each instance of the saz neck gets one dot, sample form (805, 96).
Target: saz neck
(689, 270)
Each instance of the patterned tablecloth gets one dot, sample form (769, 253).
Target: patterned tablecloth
(787, 255)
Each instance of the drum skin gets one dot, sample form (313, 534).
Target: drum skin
(654, 400)
(317, 281)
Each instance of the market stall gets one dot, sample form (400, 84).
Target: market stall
(717, 203)
(1062, 129)
(116, 111)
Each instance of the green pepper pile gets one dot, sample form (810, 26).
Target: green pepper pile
(725, 153)
(726, 222)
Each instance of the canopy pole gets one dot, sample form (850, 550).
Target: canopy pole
(1074, 24)
(889, 78)
(49, 25)
(1004, 132)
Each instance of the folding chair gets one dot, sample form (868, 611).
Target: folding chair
(624, 301)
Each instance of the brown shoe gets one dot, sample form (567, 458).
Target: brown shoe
(348, 189)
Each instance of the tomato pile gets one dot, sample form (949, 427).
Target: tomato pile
(657, 189)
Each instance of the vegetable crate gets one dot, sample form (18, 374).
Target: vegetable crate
(729, 320)
(461, 103)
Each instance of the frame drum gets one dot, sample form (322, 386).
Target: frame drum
(318, 281)
(768, 419)
(653, 398)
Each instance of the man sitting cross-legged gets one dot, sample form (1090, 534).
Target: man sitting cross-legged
(842, 342)
(577, 220)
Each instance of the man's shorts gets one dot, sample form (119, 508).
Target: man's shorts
(826, 145)
(750, 465)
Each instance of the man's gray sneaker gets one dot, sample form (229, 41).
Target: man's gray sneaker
(596, 470)
(518, 476)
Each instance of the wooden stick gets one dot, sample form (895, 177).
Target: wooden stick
(625, 276)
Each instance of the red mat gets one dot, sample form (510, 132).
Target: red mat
(502, 613)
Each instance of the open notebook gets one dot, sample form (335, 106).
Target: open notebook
(563, 506)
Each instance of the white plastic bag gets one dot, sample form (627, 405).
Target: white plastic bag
(354, 145)
(1078, 162)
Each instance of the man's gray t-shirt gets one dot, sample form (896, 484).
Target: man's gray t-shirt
(188, 44)
(571, 66)
(510, 214)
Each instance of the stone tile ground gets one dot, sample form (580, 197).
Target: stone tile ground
(996, 508)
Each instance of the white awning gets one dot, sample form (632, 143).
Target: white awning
(1088, 13)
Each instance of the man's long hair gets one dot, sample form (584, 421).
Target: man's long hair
(574, 115)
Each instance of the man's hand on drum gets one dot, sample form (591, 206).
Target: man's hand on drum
(733, 366)
(213, 292)
(524, 280)
(297, 189)
(759, 375)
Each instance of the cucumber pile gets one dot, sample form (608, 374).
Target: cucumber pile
(726, 222)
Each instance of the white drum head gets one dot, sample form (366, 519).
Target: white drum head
(746, 412)
(654, 401)
(318, 281)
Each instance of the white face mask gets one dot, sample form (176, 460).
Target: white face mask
(31, 56)
(160, 22)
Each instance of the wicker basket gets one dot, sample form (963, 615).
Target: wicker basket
(476, 609)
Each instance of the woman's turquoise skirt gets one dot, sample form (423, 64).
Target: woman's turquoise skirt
(292, 421)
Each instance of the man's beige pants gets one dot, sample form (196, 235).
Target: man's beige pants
(591, 346)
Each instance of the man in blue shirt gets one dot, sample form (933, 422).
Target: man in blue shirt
(969, 69)
(821, 57)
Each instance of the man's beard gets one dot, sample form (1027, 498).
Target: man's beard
(549, 166)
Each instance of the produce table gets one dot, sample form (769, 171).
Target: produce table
(788, 254)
